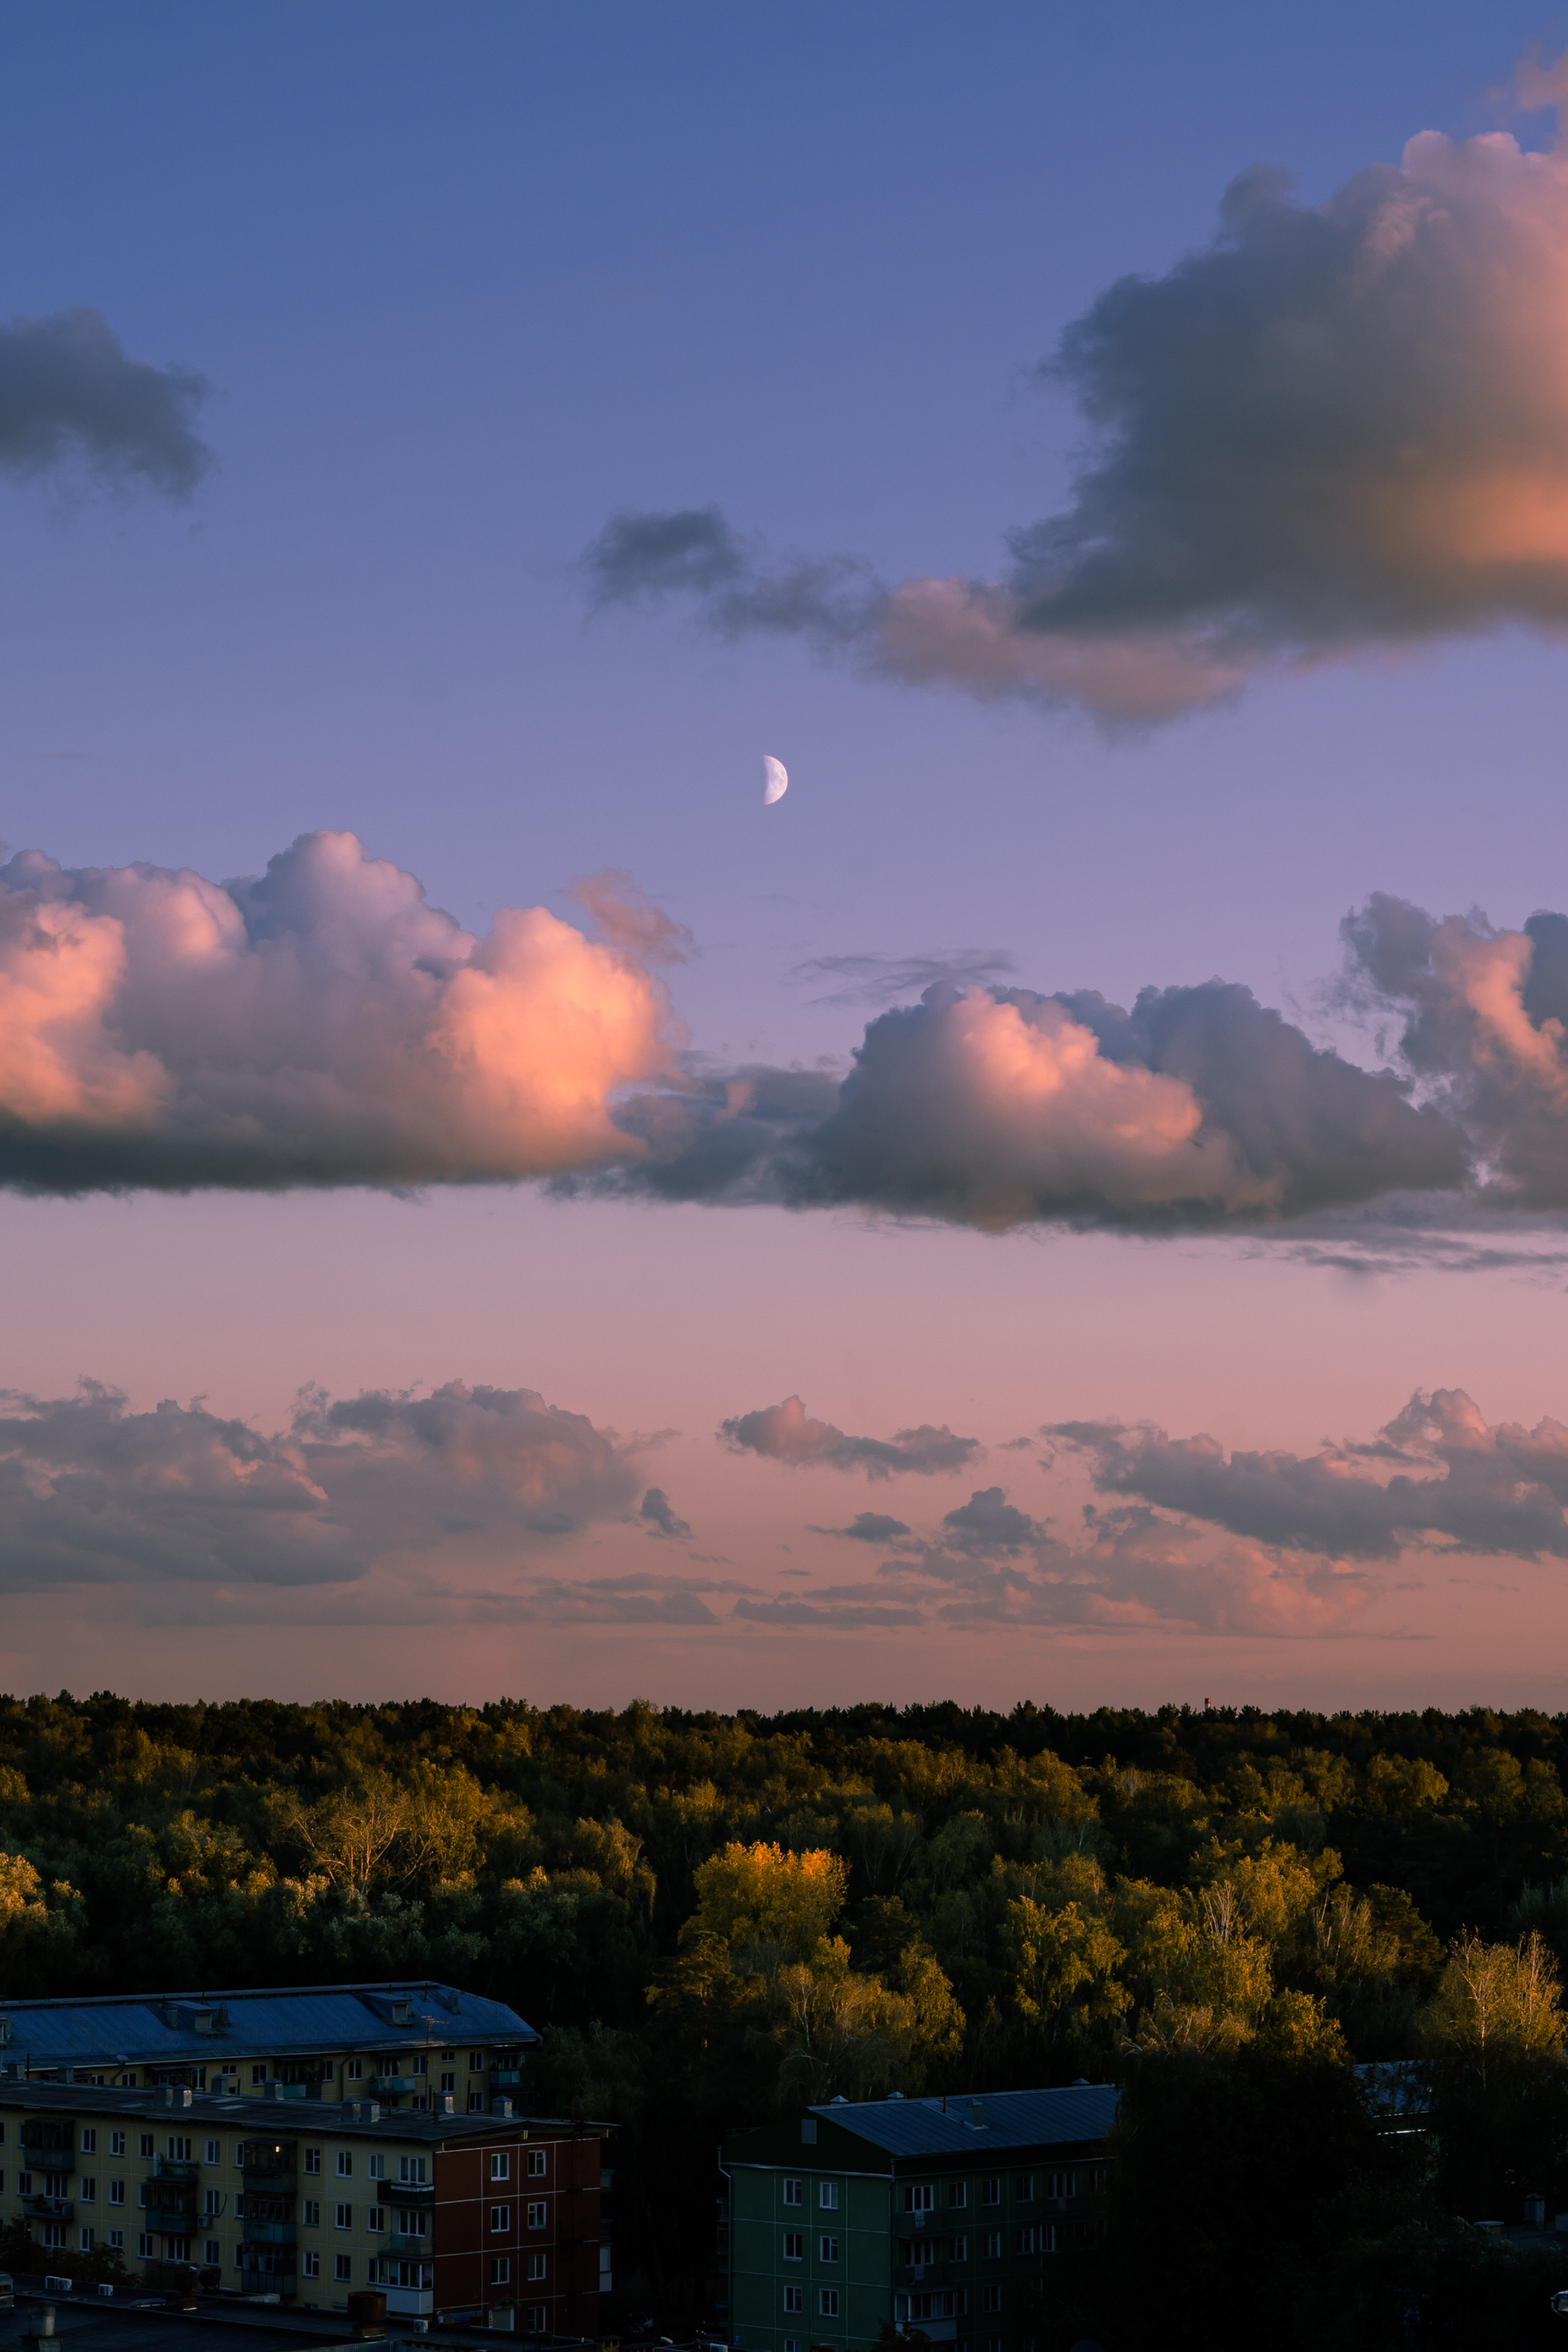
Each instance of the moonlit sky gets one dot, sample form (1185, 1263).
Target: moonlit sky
(465, 284)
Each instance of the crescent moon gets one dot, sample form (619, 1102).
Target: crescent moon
(776, 780)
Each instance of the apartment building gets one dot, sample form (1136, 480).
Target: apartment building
(447, 2213)
(941, 2215)
(402, 2044)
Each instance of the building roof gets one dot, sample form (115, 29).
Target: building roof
(1008, 2119)
(162, 2028)
(276, 2119)
(130, 2320)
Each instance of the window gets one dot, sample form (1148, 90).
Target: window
(450, 2080)
(792, 2192)
(795, 2298)
(84, 2241)
(342, 2217)
(536, 2215)
(827, 2196)
(179, 2148)
(418, 2065)
(146, 2138)
(211, 2204)
(311, 2265)
(476, 2103)
(991, 2298)
(501, 2220)
(411, 2222)
(958, 2250)
(827, 2302)
(345, 2163)
(24, 2184)
(145, 2246)
(919, 2197)
(176, 2250)
(993, 2245)
(411, 2170)
(312, 2159)
(214, 2154)
(117, 2143)
(538, 2318)
(828, 2249)
(990, 2192)
(117, 2193)
(791, 2344)
(1058, 2184)
(117, 2239)
(537, 2267)
(500, 2165)
(500, 2270)
(536, 2160)
(353, 2070)
(90, 2143)
(795, 2246)
(343, 2267)
(211, 2254)
(1023, 2189)
(311, 2213)
(1029, 2241)
(373, 2218)
(87, 2189)
(376, 2166)
(258, 2073)
(476, 2062)
(958, 2194)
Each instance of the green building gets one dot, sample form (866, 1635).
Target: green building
(941, 2215)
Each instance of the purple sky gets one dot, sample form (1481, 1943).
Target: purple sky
(492, 439)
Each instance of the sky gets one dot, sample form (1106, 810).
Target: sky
(1069, 1203)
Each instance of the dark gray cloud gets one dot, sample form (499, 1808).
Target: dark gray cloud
(786, 1433)
(1334, 427)
(655, 1507)
(69, 390)
(1436, 1473)
(865, 1527)
(92, 1492)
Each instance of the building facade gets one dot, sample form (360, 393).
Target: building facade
(941, 2215)
(447, 2213)
(401, 2044)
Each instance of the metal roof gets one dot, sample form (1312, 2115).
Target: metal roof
(146, 2028)
(277, 2119)
(1008, 2119)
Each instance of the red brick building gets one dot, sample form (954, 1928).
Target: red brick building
(515, 2219)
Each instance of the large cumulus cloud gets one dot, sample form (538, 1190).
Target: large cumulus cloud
(69, 390)
(1337, 427)
(995, 1108)
(317, 1025)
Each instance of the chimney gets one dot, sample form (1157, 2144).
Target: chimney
(446, 2104)
(501, 2107)
(976, 2116)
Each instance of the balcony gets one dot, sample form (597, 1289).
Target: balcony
(48, 2209)
(166, 2168)
(47, 2158)
(173, 2221)
(406, 2193)
(276, 2279)
(261, 2159)
(393, 2086)
(268, 2233)
(506, 2078)
(410, 2302)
